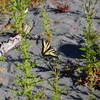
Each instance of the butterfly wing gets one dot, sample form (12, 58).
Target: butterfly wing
(51, 52)
(45, 46)
(47, 50)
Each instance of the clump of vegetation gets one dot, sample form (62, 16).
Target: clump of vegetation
(3, 6)
(55, 84)
(26, 79)
(16, 10)
(19, 13)
(91, 55)
(2, 58)
(56, 88)
(46, 23)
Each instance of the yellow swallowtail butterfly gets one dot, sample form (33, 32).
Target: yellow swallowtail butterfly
(47, 50)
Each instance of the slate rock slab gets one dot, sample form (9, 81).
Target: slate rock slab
(67, 39)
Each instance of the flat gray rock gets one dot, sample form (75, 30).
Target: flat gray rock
(67, 39)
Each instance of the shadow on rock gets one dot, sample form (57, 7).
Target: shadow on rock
(35, 11)
(12, 60)
(76, 98)
(42, 69)
(70, 50)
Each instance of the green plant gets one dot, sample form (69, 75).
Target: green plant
(56, 89)
(26, 79)
(3, 6)
(2, 58)
(92, 47)
(46, 23)
(55, 85)
(19, 14)
(91, 95)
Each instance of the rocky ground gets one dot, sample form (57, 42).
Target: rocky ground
(67, 39)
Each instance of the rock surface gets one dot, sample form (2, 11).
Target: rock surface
(67, 39)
